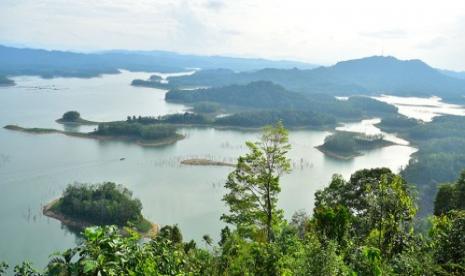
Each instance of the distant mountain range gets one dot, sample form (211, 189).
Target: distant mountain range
(371, 75)
(24, 61)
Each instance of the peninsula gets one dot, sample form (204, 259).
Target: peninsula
(143, 135)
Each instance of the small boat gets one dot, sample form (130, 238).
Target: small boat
(122, 159)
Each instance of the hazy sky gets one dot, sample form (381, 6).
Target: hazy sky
(321, 32)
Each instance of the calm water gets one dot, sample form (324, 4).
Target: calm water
(424, 109)
(34, 169)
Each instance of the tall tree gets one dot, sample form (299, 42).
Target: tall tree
(380, 204)
(254, 184)
(450, 196)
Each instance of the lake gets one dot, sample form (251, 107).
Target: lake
(35, 169)
(424, 109)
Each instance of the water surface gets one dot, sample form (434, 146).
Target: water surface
(424, 109)
(35, 169)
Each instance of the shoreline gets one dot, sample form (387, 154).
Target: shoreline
(48, 211)
(205, 162)
(337, 155)
(81, 122)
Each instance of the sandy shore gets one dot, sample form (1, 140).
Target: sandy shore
(205, 162)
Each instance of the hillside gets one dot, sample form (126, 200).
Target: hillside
(259, 94)
(371, 75)
(268, 95)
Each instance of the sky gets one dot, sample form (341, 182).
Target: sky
(322, 32)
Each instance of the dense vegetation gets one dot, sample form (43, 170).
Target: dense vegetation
(265, 95)
(349, 144)
(71, 116)
(100, 204)
(450, 196)
(441, 154)
(206, 107)
(360, 226)
(260, 94)
(290, 118)
(178, 118)
(136, 130)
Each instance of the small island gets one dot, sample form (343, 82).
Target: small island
(347, 145)
(205, 162)
(74, 118)
(84, 205)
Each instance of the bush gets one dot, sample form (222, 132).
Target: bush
(71, 116)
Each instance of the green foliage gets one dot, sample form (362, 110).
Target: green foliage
(450, 197)
(258, 94)
(171, 233)
(290, 118)
(71, 116)
(254, 184)
(25, 269)
(349, 144)
(341, 142)
(440, 158)
(100, 204)
(449, 242)
(397, 122)
(136, 130)
(3, 268)
(181, 118)
(321, 260)
(333, 223)
(380, 205)
(206, 107)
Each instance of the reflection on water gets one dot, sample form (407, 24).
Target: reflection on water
(369, 127)
(424, 109)
(35, 169)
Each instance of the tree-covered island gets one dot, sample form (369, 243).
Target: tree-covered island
(84, 205)
(74, 117)
(347, 145)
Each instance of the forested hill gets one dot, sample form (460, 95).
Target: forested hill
(16, 61)
(257, 94)
(267, 95)
(371, 75)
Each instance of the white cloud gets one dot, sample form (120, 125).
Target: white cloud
(315, 31)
